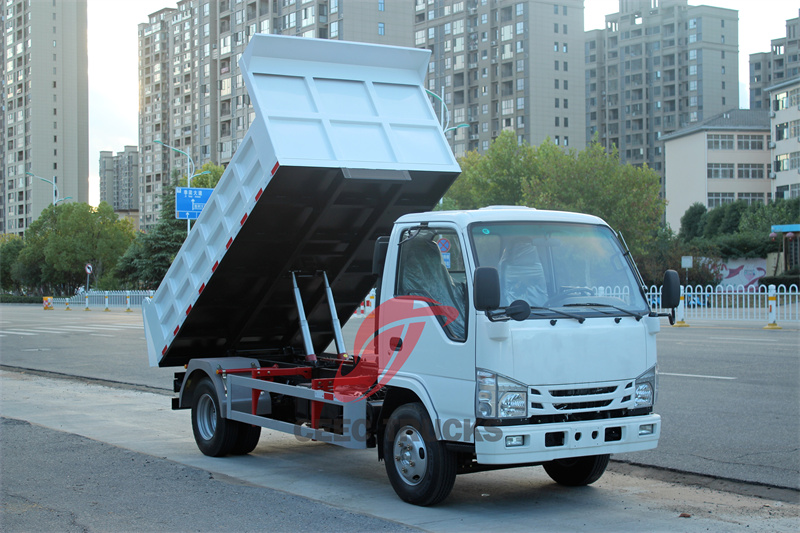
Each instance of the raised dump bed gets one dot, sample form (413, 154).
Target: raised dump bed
(344, 142)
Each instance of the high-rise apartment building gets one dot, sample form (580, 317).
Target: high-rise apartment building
(191, 95)
(658, 66)
(44, 129)
(506, 65)
(119, 181)
(497, 65)
(781, 63)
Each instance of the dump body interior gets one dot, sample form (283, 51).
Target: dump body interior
(343, 143)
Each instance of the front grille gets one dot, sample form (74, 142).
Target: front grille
(582, 392)
(583, 398)
(581, 405)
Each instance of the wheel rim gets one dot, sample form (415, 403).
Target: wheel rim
(206, 417)
(410, 455)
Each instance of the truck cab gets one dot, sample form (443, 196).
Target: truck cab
(547, 353)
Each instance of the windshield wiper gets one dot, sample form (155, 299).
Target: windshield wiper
(580, 319)
(500, 314)
(620, 309)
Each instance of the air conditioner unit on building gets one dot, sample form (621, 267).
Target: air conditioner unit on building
(772, 114)
(771, 145)
(772, 175)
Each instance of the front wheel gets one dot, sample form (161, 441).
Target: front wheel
(420, 467)
(577, 471)
(215, 436)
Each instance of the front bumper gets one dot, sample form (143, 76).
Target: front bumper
(545, 442)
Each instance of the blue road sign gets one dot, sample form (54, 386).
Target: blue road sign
(189, 201)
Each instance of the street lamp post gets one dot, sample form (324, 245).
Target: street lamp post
(189, 174)
(52, 182)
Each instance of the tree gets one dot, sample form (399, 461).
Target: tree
(593, 181)
(737, 230)
(494, 178)
(548, 177)
(10, 246)
(692, 222)
(148, 258)
(63, 239)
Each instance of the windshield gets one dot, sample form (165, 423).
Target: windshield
(580, 267)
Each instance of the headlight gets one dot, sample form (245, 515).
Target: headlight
(500, 397)
(646, 385)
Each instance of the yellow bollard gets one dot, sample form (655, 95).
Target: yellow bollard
(67, 308)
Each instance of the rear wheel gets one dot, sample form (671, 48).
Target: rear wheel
(577, 471)
(215, 436)
(420, 467)
(247, 439)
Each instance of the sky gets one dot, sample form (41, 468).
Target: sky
(113, 60)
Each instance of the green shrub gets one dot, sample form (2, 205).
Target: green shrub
(18, 299)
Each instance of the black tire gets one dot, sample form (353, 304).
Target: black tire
(577, 471)
(215, 436)
(247, 439)
(421, 469)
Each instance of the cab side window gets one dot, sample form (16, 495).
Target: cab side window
(431, 265)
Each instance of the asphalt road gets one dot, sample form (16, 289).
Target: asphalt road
(135, 466)
(729, 392)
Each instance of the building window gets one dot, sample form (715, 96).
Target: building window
(751, 171)
(717, 199)
(750, 142)
(381, 5)
(720, 142)
(781, 131)
(752, 197)
(794, 160)
(381, 29)
(720, 170)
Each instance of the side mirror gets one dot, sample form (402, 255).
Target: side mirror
(379, 255)
(486, 293)
(671, 290)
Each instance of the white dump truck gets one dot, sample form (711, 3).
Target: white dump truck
(502, 337)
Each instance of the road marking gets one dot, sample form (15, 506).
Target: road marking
(15, 332)
(742, 339)
(99, 335)
(692, 376)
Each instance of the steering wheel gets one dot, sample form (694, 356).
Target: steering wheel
(567, 292)
(575, 291)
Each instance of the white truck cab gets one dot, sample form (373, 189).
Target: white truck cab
(548, 354)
